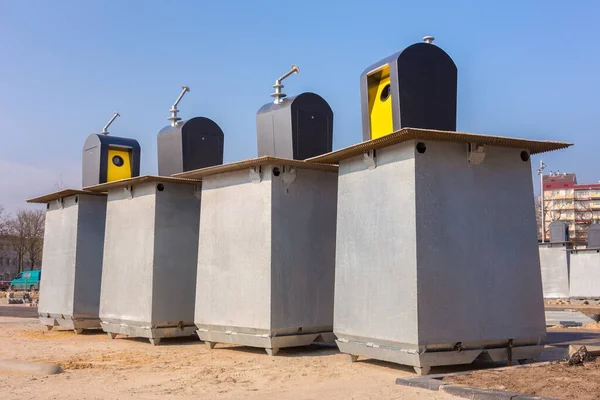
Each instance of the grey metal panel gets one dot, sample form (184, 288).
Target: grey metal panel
(127, 271)
(376, 271)
(90, 171)
(299, 127)
(554, 264)
(170, 151)
(585, 273)
(303, 251)
(274, 132)
(175, 253)
(477, 251)
(58, 259)
(90, 248)
(559, 231)
(95, 161)
(265, 133)
(282, 129)
(234, 252)
(423, 83)
(593, 235)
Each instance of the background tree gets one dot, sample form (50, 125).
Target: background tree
(554, 210)
(35, 236)
(4, 217)
(17, 233)
(26, 235)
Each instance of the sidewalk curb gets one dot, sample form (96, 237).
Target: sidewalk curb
(30, 367)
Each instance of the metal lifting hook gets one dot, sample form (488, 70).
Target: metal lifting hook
(104, 130)
(279, 95)
(174, 118)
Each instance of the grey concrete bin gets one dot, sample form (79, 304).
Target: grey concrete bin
(266, 253)
(585, 273)
(555, 261)
(436, 255)
(150, 255)
(72, 259)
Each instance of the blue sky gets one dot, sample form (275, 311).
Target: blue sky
(526, 69)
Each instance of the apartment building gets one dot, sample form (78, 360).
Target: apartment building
(576, 204)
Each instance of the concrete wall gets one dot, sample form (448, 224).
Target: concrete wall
(175, 253)
(478, 263)
(585, 273)
(127, 271)
(59, 254)
(90, 249)
(376, 275)
(303, 252)
(555, 264)
(234, 252)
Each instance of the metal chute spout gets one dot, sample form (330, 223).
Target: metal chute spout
(174, 118)
(279, 95)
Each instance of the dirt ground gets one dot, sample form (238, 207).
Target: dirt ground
(557, 380)
(99, 368)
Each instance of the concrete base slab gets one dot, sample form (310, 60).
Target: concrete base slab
(423, 361)
(463, 391)
(68, 322)
(594, 350)
(147, 332)
(270, 343)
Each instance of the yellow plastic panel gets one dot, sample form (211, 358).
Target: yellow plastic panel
(119, 164)
(380, 103)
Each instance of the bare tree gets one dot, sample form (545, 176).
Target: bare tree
(60, 184)
(538, 214)
(17, 236)
(554, 210)
(26, 235)
(4, 217)
(584, 217)
(35, 236)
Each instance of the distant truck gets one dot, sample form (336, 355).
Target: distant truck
(27, 280)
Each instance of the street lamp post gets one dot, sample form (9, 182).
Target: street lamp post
(540, 172)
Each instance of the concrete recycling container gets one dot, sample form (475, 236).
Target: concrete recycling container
(585, 273)
(436, 254)
(72, 259)
(555, 261)
(266, 253)
(150, 255)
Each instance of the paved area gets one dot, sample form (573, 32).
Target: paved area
(569, 336)
(18, 311)
(567, 318)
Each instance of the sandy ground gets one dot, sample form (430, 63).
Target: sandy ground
(556, 380)
(99, 368)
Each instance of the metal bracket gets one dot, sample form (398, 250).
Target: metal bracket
(198, 191)
(255, 174)
(476, 153)
(370, 159)
(128, 191)
(289, 174)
